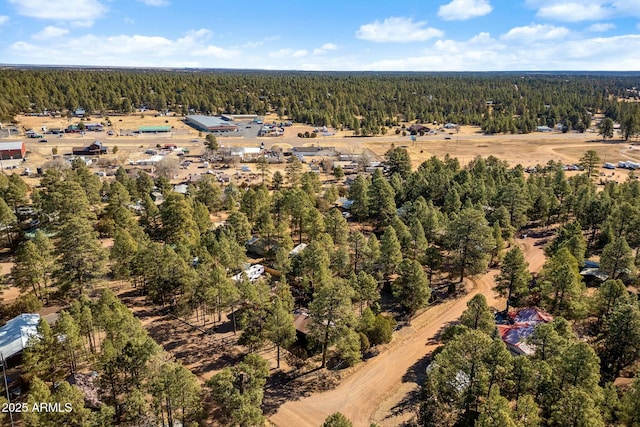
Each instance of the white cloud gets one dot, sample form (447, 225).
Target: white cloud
(585, 9)
(461, 10)
(327, 47)
(255, 44)
(50, 32)
(397, 29)
(60, 10)
(574, 12)
(4, 19)
(155, 3)
(532, 33)
(288, 53)
(601, 27)
(190, 50)
(482, 53)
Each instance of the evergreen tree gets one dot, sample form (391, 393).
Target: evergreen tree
(514, 277)
(330, 313)
(337, 420)
(411, 287)
(279, 326)
(470, 240)
(359, 194)
(478, 316)
(390, 251)
(238, 391)
(617, 258)
(82, 257)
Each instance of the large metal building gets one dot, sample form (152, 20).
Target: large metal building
(211, 124)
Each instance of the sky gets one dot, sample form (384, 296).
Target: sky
(337, 35)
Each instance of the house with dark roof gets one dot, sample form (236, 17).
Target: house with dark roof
(95, 149)
(417, 128)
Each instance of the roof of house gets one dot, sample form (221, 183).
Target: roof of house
(295, 251)
(15, 334)
(154, 128)
(13, 145)
(344, 203)
(301, 320)
(530, 316)
(516, 336)
(524, 322)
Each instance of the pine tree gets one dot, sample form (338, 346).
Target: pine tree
(82, 257)
(330, 312)
(411, 287)
(478, 316)
(514, 277)
(470, 240)
(390, 251)
(279, 326)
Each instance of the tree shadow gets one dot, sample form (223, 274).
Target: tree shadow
(283, 387)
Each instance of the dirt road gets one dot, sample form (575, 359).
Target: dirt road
(375, 392)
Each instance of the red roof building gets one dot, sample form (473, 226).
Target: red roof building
(525, 320)
(12, 150)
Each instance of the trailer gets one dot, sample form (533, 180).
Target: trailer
(609, 166)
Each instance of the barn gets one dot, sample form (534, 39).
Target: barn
(12, 150)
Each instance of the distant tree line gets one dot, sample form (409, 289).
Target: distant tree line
(363, 102)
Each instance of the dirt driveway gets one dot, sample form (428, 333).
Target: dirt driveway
(380, 388)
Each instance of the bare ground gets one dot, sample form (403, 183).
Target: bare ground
(383, 389)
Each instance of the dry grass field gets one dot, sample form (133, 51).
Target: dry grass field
(465, 144)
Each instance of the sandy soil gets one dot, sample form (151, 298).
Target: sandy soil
(380, 389)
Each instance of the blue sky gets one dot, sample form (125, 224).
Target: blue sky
(398, 35)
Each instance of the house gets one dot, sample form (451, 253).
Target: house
(95, 149)
(301, 320)
(154, 129)
(94, 127)
(12, 150)
(298, 249)
(417, 128)
(252, 273)
(15, 334)
(181, 188)
(151, 161)
(344, 203)
(524, 321)
(315, 151)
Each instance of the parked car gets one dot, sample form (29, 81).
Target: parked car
(43, 140)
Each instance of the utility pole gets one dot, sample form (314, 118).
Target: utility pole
(6, 388)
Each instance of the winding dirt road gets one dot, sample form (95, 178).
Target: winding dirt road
(374, 392)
